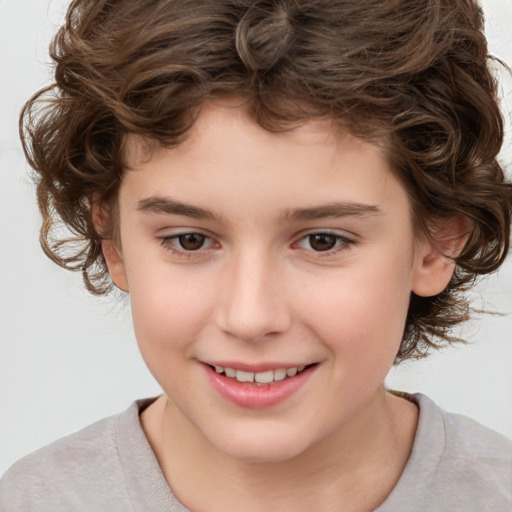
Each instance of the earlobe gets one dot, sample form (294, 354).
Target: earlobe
(435, 262)
(115, 264)
(432, 274)
(112, 255)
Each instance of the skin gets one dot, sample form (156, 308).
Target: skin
(256, 292)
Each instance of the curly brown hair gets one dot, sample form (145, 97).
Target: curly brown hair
(414, 73)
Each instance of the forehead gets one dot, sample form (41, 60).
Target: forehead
(215, 118)
(230, 162)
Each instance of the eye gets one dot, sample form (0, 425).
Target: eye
(191, 241)
(324, 242)
(184, 244)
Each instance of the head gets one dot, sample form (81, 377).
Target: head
(411, 78)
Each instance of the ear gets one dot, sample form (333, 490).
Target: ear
(111, 251)
(435, 257)
(115, 264)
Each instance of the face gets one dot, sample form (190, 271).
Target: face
(287, 259)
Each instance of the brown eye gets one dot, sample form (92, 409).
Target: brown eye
(191, 241)
(323, 241)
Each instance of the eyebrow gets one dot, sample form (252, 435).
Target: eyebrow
(333, 210)
(166, 205)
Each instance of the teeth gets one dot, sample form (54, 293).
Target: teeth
(280, 374)
(264, 377)
(261, 377)
(291, 372)
(230, 372)
(242, 376)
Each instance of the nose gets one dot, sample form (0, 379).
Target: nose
(253, 303)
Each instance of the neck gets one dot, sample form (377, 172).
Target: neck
(358, 465)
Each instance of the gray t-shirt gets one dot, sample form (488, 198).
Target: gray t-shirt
(456, 465)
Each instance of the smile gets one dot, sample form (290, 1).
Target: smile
(261, 378)
(258, 389)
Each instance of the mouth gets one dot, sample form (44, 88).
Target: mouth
(264, 378)
(258, 387)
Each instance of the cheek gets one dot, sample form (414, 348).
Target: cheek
(361, 312)
(169, 309)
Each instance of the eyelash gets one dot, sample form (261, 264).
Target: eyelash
(169, 243)
(342, 243)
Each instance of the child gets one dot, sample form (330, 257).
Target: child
(295, 195)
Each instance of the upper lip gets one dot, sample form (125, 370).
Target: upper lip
(255, 368)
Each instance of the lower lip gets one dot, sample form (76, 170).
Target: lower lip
(253, 396)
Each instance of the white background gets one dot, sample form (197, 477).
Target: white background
(68, 358)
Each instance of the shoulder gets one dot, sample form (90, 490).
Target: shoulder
(463, 437)
(468, 438)
(455, 464)
(480, 458)
(57, 476)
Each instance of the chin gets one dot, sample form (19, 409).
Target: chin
(261, 448)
